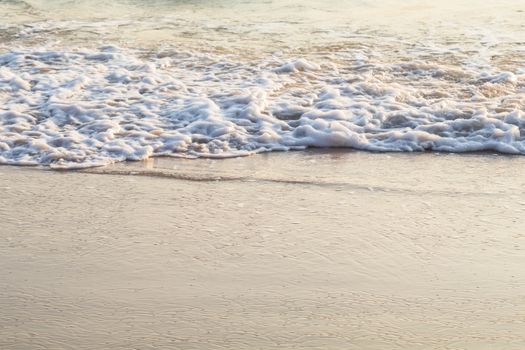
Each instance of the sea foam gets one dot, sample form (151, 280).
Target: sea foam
(91, 107)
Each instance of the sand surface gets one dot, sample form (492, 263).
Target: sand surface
(306, 250)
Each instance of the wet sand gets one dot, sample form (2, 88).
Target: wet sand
(306, 250)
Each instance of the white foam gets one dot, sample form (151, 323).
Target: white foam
(92, 107)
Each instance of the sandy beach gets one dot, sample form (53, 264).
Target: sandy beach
(324, 250)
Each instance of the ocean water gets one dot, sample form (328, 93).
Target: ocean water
(87, 83)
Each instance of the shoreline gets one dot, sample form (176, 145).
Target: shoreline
(382, 260)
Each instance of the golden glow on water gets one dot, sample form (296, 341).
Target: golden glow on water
(269, 24)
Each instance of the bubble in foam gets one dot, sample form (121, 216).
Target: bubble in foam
(92, 107)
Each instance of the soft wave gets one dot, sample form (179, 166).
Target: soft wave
(86, 108)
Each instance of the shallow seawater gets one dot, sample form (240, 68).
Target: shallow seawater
(85, 83)
(298, 250)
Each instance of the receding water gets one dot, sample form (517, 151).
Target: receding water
(298, 250)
